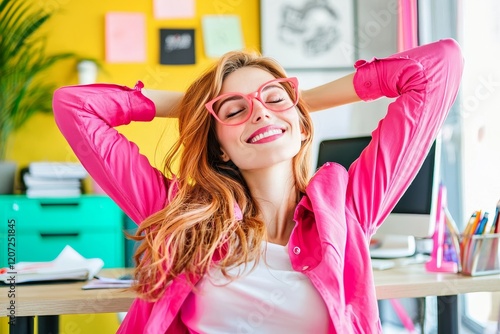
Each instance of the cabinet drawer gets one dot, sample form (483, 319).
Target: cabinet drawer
(61, 214)
(92, 225)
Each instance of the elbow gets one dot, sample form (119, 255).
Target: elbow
(63, 99)
(451, 54)
(64, 104)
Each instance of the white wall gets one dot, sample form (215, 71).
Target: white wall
(376, 26)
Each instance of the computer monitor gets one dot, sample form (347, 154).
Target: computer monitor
(414, 214)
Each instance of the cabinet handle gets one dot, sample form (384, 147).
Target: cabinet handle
(51, 235)
(48, 204)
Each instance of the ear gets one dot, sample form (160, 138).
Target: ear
(303, 135)
(224, 156)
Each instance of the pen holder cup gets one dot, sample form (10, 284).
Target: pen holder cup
(480, 254)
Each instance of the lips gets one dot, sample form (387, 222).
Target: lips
(265, 133)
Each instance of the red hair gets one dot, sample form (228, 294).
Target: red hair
(199, 222)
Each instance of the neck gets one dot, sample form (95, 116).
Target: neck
(275, 192)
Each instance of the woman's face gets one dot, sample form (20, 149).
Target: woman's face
(267, 137)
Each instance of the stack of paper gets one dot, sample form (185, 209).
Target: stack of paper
(54, 179)
(109, 283)
(68, 265)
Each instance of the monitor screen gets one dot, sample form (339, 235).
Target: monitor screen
(413, 211)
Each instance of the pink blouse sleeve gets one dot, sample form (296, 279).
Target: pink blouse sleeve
(425, 82)
(86, 116)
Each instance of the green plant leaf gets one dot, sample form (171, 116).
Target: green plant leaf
(24, 90)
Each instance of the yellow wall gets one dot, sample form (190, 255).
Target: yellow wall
(78, 27)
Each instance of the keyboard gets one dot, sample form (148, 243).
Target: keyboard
(382, 264)
(393, 246)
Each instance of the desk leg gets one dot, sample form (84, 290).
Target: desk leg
(48, 324)
(23, 325)
(447, 314)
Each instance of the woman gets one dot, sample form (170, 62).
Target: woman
(240, 239)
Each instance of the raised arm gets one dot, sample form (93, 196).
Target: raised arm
(86, 116)
(333, 94)
(164, 101)
(425, 82)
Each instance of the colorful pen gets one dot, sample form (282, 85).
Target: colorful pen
(495, 224)
(482, 224)
(469, 228)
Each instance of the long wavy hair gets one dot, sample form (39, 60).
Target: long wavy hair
(198, 230)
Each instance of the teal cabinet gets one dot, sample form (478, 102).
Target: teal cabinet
(39, 228)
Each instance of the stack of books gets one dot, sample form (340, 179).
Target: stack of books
(54, 179)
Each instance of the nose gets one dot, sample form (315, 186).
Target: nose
(259, 110)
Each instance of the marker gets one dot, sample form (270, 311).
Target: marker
(495, 223)
(482, 224)
(467, 236)
(470, 224)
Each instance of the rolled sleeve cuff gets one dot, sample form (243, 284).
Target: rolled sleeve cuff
(365, 80)
(142, 109)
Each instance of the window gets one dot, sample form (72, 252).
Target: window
(480, 117)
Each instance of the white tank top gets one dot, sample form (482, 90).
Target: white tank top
(272, 299)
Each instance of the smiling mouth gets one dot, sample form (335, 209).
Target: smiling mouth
(266, 134)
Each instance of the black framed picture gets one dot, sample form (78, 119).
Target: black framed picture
(177, 47)
(313, 34)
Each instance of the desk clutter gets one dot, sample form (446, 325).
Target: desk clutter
(473, 252)
(479, 251)
(102, 282)
(53, 179)
(68, 265)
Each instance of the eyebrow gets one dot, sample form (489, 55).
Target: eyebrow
(229, 98)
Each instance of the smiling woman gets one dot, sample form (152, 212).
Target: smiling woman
(270, 118)
(241, 228)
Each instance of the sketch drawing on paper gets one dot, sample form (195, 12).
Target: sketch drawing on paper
(313, 27)
(308, 33)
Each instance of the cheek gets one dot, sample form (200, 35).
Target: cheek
(227, 136)
(294, 118)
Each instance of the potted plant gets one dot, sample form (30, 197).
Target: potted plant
(23, 60)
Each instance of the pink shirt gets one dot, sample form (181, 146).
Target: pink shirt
(341, 209)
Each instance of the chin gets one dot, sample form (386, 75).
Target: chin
(266, 159)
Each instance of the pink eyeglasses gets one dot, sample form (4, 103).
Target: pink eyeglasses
(236, 108)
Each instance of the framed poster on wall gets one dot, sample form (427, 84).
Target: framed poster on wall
(177, 47)
(309, 34)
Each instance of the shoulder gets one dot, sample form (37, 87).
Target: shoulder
(330, 177)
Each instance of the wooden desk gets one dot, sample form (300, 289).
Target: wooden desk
(68, 298)
(414, 281)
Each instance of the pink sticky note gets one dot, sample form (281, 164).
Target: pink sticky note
(125, 38)
(171, 9)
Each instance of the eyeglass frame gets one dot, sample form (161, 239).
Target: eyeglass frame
(294, 82)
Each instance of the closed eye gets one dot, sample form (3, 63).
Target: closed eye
(276, 100)
(234, 113)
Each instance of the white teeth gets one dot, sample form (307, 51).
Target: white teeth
(265, 134)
